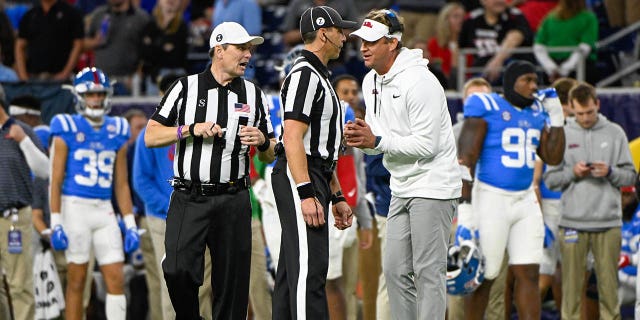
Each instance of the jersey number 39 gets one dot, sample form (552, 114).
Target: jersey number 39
(520, 147)
(98, 167)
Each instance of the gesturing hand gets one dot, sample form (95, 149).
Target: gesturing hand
(207, 130)
(358, 134)
(342, 214)
(312, 212)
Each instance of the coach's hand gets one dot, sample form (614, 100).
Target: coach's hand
(342, 214)
(358, 134)
(312, 212)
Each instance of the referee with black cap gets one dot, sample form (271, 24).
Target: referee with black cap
(303, 178)
(215, 117)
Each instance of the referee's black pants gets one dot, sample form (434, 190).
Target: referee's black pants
(299, 291)
(222, 222)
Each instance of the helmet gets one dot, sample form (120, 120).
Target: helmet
(92, 80)
(465, 268)
(288, 61)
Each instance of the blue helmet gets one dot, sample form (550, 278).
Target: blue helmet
(465, 268)
(92, 80)
(289, 59)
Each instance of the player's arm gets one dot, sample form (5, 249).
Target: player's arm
(59, 154)
(469, 148)
(551, 148)
(537, 178)
(121, 183)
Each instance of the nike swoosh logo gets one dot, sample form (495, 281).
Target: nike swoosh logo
(351, 193)
(394, 96)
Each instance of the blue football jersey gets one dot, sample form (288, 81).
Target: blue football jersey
(92, 153)
(513, 135)
(630, 241)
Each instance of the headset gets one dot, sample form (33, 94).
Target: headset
(396, 26)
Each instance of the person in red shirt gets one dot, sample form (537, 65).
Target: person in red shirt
(442, 49)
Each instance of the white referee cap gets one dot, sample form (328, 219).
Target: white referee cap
(232, 33)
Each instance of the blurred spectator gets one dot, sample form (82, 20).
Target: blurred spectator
(621, 12)
(291, 32)
(419, 19)
(115, 36)
(473, 85)
(597, 161)
(7, 39)
(494, 29)
(245, 12)
(569, 24)
(364, 6)
(164, 44)
(442, 49)
(49, 41)
(21, 155)
(6, 73)
(534, 10)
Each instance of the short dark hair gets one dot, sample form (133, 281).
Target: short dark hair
(582, 92)
(342, 77)
(309, 36)
(133, 112)
(563, 86)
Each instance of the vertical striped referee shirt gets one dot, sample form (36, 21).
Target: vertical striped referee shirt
(307, 96)
(200, 98)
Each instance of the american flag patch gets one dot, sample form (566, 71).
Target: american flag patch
(243, 107)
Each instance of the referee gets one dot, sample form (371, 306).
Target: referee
(303, 178)
(214, 116)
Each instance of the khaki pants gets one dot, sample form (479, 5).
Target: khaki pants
(350, 278)
(258, 290)
(369, 269)
(153, 276)
(605, 247)
(157, 227)
(18, 268)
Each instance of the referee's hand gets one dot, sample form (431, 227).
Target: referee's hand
(312, 212)
(207, 129)
(342, 214)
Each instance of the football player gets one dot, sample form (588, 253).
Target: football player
(89, 161)
(501, 135)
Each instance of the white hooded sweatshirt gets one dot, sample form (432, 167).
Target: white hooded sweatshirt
(407, 108)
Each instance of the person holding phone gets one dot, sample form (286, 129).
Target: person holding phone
(597, 162)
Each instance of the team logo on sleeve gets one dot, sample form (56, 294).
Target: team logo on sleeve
(80, 137)
(506, 116)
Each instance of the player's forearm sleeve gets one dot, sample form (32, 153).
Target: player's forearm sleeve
(36, 159)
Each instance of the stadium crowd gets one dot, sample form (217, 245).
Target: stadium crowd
(63, 266)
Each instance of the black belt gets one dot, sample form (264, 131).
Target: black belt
(328, 165)
(325, 164)
(211, 189)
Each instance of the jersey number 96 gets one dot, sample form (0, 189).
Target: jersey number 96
(520, 147)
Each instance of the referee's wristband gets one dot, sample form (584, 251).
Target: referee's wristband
(305, 191)
(191, 129)
(337, 197)
(179, 133)
(265, 146)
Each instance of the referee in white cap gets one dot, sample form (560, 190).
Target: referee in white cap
(214, 117)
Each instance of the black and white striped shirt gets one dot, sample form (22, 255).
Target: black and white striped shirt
(198, 98)
(307, 96)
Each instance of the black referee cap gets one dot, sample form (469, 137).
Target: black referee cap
(315, 18)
